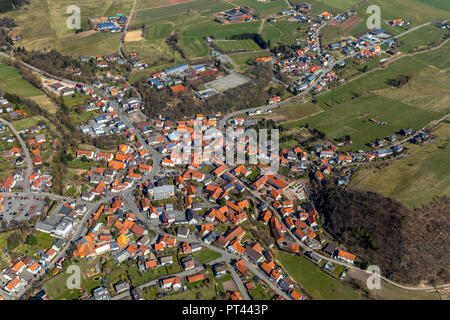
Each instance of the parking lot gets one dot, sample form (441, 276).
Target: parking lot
(228, 82)
(21, 208)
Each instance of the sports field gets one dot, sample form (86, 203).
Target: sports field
(236, 45)
(12, 81)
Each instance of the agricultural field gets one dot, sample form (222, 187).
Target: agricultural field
(428, 164)
(200, 8)
(315, 282)
(11, 81)
(263, 9)
(42, 24)
(236, 45)
(348, 108)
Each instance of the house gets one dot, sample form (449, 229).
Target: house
(220, 269)
(345, 256)
(101, 293)
(195, 277)
(183, 232)
(187, 263)
(121, 286)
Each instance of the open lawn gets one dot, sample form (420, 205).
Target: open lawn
(315, 282)
(12, 81)
(206, 255)
(416, 179)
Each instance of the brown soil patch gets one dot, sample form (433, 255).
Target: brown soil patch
(133, 36)
(229, 286)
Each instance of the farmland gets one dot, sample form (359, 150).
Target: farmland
(264, 9)
(42, 24)
(428, 164)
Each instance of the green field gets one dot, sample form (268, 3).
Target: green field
(416, 179)
(236, 45)
(12, 81)
(206, 255)
(245, 60)
(100, 43)
(283, 32)
(315, 282)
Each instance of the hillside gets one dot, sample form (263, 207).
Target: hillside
(409, 246)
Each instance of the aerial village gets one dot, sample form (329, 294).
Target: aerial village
(143, 207)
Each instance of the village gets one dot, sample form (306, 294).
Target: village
(184, 223)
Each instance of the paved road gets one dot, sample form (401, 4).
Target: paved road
(26, 152)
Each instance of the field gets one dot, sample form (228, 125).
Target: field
(43, 23)
(427, 36)
(100, 43)
(315, 282)
(206, 255)
(416, 179)
(245, 60)
(348, 108)
(236, 45)
(283, 32)
(391, 292)
(12, 81)
(263, 9)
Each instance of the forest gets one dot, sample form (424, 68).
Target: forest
(408, 245)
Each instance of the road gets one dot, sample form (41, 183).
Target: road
(26, 152)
